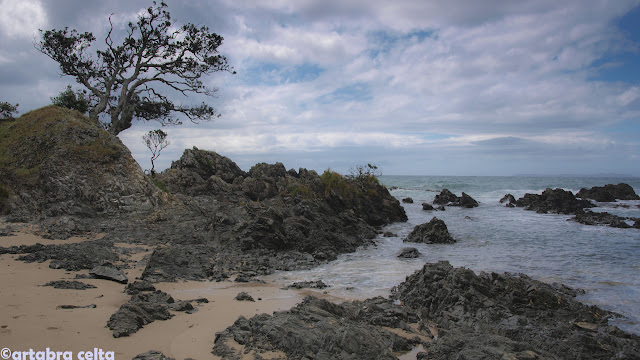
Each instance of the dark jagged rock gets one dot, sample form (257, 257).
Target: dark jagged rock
(71, 257)
(109, 272)
(506, 316)
(318, 284)
(557, 201)
(152, 355)
(609, 193)
(318, 329)
(433, 232)
(427, 206)
(137, 287)
(57, 162)
(68, 307)
(407, 200)
(389, 234)
(243, 296)
(142, 309)
(446, 197)
(601, 218)
(409, 253)
(71, 285)
(509, 199)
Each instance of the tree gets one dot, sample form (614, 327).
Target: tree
(156, 140)
(69, 99)
(7, 110)
(128, 81)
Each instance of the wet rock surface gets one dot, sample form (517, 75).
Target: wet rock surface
(448, 198)
(603, 218)
(318, 284)
(609, 193)
(409, 253)
(509, 200)
(509, 316)
(433, 232)
(556, 201)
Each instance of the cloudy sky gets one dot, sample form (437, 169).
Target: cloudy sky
(457, 87)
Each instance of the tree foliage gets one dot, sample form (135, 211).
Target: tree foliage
(156, 140)
(7, 110)
(69, 99)
(129, 80)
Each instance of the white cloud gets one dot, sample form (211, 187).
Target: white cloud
(21, 18)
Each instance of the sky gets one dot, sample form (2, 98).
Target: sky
(457, 87)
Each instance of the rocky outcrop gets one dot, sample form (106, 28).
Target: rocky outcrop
(448, 198)
(57, 162)
(409, 253)
(602, 218)
(427, 207)
(609, 193)
(152, 355)
(407, 200)
(109, 272)
(144, 308)
(509, 317)
(557, 201)
(319, 329)
(71, 257)
(318, 284)
(509, 200)
(243, 296)
(70, 285)
(433, 232)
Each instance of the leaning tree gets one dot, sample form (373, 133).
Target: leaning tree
(131, 80)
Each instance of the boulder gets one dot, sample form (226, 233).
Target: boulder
(318, 284)
(609, 193)
(601, 218)
(427, 206)
(66, 284)
(446, 197)
(243, 296)
(409, 253)
(407, 200)
(109, 272)
(433, 232)
(554, 201)
(509, 200)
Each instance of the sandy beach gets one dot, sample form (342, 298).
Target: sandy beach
(31, 319)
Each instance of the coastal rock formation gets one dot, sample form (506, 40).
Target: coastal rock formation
(609, 193)
(318, 284)
(446, 197)
(407, 200)
(409, 253)
(319, 329)
(109, 272)
(433, 232)
(557, 201)
(509, 317)
(70, 285)
(602, 218)
(144, 308)
(427, 206)
(57, 162)
(509, 199)
(71, 257)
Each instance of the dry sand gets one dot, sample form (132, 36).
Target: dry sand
(30, 319)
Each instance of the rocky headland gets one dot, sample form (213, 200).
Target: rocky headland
(206, 219)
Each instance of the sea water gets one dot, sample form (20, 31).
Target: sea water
(603, 261)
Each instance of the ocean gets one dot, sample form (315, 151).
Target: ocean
(603, 261)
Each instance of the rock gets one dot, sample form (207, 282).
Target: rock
(68, 307)
(61, 163)
(152, 355)
(427, 206)
(72, 285)
(555, 201)
(501, 316)
(601, 218)
(407, 200)
(143, 309)
(389, 234)
(318, 284)
(509, 199)
(71, 257)
(409, 253)
(609, 193)
(446, 197)
(318, 329)
(441, 208)
(137, 287)
(433, 232)
(243, 296)
(109, 272)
